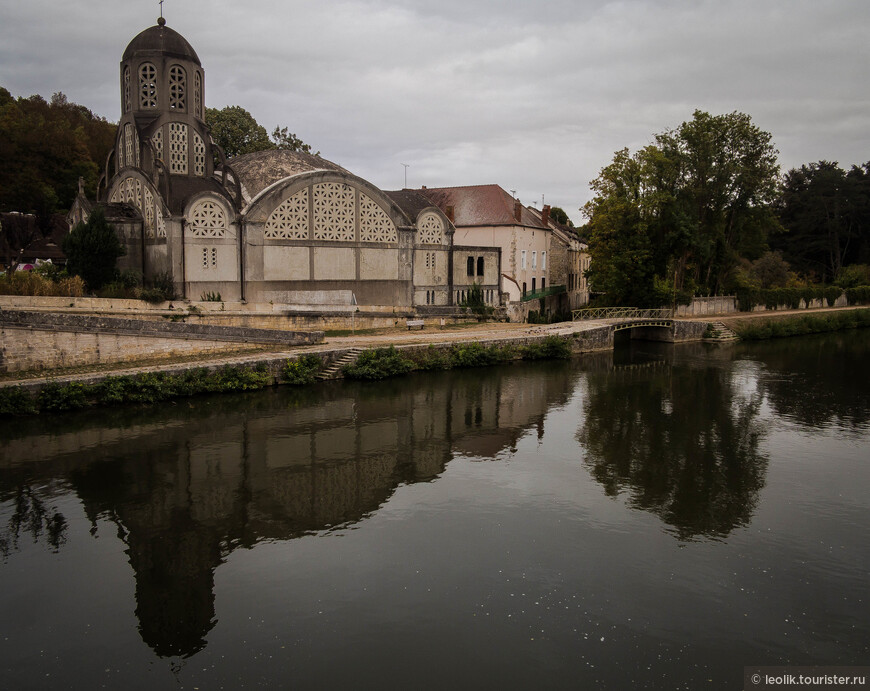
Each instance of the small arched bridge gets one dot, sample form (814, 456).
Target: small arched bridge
(647, 324)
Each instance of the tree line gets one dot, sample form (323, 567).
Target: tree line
(703, 210)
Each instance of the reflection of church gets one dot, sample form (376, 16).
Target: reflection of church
(187, 489)
(273, 226)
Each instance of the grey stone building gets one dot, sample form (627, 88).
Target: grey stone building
(274, 226)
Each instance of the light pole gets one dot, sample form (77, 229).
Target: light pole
(407, 165)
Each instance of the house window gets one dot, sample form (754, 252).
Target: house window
(524, 288)
(534, 260)
(470, 266)
(533, 284)
(543, 261)
(480, 266)
(523, 260)
(543, 283)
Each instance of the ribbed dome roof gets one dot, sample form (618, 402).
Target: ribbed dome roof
(160, 40)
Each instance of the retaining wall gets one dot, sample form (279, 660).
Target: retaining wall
(46, 340)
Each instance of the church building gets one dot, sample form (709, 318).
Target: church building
(276, 226)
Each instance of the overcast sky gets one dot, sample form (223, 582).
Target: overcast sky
(533, 96)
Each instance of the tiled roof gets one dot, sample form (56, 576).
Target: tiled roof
(409, 201)
(480, 205)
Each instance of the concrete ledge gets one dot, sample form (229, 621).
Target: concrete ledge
(54, 321)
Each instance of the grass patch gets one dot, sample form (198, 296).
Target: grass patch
(799, 325)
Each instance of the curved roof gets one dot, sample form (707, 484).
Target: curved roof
(262, 169)
(160, 40)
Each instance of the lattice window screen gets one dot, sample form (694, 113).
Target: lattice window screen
(334, 211)
(128, 145)
(208, 220)
(147, 85)
(157, 140)
(290, 220)
(198, 155)
(161, 224)
(375, 225)
(127, 89)
(148, 203)
(178, 148)
(177, 87)
(431, 229)
(197, 94)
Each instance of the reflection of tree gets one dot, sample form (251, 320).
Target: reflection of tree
(681, 441)
(32, 515)
(818, 380)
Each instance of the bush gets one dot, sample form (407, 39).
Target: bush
(551, 348)
(15, 400)
(159, 288)
(853, 276)
(35, 283)
(301, 371)
(210, 297)
(379, 363)
(859, 295)
(433, 359)
(92, 249)
(476, 355)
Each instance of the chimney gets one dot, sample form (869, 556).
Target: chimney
(545, 216)
(518, 211)
(450, 213)
(423, 187)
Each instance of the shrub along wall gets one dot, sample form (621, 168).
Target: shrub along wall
(798, 325)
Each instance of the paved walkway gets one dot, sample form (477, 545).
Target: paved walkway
(398, 337)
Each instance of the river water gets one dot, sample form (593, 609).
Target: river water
(655, 518)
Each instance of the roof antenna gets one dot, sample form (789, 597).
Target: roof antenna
(513, 193)
(407, 165)
(161, 21)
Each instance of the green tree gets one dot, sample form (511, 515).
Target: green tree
(237, 132)
(681, 212)
(92, 249)
(289, 141)
(826, 212)
(45, 148)
(558, 214)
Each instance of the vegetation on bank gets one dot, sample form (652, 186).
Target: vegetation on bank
(800, 325)
(381, 363)
(154, 387)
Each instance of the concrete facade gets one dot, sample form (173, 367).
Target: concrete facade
(274, 226)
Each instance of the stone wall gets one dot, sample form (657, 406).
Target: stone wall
(701, 307)
(35, 340)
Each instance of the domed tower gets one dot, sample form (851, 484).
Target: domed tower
(162, 130)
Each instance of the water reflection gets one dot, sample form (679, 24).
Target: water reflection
(821, 383)
(680, 437)
(187, 485)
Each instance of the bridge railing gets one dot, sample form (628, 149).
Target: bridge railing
(620, 313)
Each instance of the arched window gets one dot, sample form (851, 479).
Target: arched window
(177, 87)
(208, 220)
(147, 85)
(470, 267)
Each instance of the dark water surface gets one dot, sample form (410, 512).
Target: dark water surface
(653, 519)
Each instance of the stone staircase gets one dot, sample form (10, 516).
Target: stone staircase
(721, 334)
(346, 359)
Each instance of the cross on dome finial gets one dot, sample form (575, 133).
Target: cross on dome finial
(161, 21)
